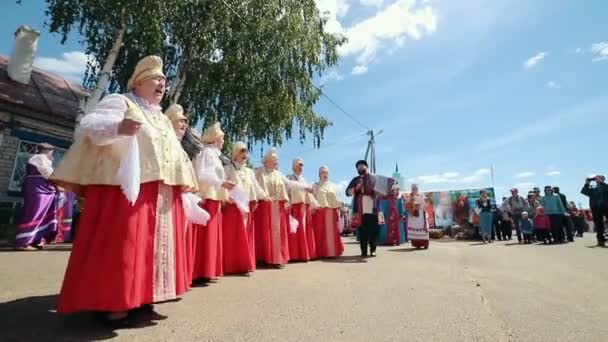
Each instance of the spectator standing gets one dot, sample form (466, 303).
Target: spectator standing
(568, 224)
(517, 205)
(496, 216)
(556, 212)
(506, 223)
(533, 204)
(542, 226)
(578, 219)
(598, 202)
(526, 226)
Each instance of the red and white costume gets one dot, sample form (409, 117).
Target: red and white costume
(238, 226)
(208, 263)
(126, 255)
(302, 242)
(326, 220)
(272, 217)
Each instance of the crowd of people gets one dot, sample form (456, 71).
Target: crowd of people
(549, 218)
(156, 219)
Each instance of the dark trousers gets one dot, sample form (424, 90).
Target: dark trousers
(543, 235)
(496, 231)
(557, 227)
(579, 225)
(507, 229)
(569, 225)
(368, 233)
(598, 222)
(516, 221)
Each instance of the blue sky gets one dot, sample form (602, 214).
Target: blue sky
(456, 86)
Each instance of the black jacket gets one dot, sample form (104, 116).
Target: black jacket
(598, 196)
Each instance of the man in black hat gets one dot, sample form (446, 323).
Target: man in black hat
(364, 211)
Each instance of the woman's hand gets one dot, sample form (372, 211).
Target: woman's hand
(228, 185)
(128, 127)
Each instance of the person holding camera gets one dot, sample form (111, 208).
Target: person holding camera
(598, 202)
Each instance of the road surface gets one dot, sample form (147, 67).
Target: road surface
(455, 291)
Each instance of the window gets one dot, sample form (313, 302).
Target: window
(24, 151)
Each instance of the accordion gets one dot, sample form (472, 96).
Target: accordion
(383, 185)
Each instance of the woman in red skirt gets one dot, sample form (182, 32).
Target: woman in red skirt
(208, 263)
(175, 113)
(271, 217)
(327, 231)
(238, 226)
(302, 242)
(130, 247)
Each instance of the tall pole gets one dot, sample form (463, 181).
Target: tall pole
(370, 154)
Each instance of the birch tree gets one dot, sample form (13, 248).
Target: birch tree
(251, 65)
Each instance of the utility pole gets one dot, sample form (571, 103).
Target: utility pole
(370, 153)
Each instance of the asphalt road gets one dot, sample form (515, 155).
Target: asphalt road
(455, 291)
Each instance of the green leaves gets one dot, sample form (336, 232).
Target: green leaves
(250, 65)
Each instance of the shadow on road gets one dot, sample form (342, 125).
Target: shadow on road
(406, 250)
(34, 318)
(47, 248)
(596, 246)
(347, 259)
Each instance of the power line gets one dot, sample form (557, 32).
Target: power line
(355, 120)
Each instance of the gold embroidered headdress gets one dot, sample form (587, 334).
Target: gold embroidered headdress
(175, 113)
(271, 155)
(237, 147)
(147, 68)
(212, 133)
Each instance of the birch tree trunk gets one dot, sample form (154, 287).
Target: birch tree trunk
(106, 71)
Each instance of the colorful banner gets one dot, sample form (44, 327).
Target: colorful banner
(455, 207)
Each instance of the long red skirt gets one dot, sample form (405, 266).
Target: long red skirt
(190, 250)
(208, 254)
(327, 233)
(302, 243)
(237, 255)
(271, 241)
(126, 256)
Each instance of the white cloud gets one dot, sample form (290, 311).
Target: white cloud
(526, 174)
(376, 3)
(595, 109)
(578, 50)
(359, 70)
(523, 186)
(534, 60)
(332, 10)
(553, 173)
(600, 51)
(477, 176)
(389, 27)
(553, 85)
(71, 65)
(332, 75)
(453, 178)
(446, 177)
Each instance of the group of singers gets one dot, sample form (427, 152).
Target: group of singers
(141, 239)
